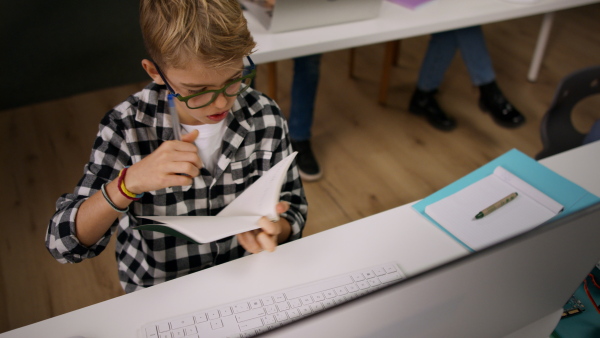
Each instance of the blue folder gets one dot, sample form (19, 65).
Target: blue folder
(570, 195)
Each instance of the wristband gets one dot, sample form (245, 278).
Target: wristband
(123, 190)
(112, 205)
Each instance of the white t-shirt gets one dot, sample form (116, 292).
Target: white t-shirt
(208, 142)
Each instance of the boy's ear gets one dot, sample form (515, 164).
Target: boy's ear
(150, 68)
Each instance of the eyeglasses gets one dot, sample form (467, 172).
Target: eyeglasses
(205, 98)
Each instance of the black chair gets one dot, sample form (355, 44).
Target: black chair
(557, 130)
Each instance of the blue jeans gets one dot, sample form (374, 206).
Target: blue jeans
(304, 91)
(440, 53)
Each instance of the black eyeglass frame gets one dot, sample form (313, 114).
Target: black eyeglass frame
(250, 74)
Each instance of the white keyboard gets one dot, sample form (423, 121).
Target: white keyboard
(262, 313)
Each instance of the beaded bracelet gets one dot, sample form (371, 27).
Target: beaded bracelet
(121, 184)
(112, 205)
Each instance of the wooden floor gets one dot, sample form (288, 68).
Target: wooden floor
(374, 158)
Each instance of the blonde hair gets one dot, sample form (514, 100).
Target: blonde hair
(178, 31)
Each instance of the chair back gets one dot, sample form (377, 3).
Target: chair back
(557, 131)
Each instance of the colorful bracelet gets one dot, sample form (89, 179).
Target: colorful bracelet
(112, 205)
(121, 184)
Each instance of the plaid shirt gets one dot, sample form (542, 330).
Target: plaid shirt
(255, 140)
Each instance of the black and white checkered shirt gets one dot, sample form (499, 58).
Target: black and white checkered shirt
(255, 140)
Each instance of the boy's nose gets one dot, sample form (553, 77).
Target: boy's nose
(221, 101)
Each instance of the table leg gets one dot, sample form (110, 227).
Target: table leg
(540, 46)
(391, 53)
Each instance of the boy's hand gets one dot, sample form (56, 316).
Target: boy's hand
(269, 234)
(161, 169)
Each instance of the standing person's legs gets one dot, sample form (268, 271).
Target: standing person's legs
(474, 52)
(303, 96)
(439, 55)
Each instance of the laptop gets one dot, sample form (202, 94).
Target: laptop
(490, 293)
(289, 15)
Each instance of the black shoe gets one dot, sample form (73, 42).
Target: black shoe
(424, 103)
(307, 164)
(493, 101)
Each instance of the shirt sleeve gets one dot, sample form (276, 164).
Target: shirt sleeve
(292, 190)
(108, 154)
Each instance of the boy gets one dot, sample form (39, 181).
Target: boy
(231, 135)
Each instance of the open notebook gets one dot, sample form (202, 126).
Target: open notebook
(239, 216)
(542, 194)
(456, 213)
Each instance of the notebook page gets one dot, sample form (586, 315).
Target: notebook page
(261, 197)
(456, 213)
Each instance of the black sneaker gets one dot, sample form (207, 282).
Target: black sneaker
(424, 103)
(307, 164)
(493, 102)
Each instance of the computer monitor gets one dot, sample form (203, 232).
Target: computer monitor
(490, 293)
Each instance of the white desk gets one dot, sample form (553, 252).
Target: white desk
(398, 234)
(396, 22)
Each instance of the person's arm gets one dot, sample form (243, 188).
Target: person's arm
(161, 169)
(292, 207)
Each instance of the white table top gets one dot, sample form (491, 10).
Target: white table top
(399, 234)
(395, 22)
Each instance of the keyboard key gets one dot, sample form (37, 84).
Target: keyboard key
(320, 287)
(279, 298)
(329, 294)
(352, 288)
(268, 320)
(241, 307)
(368, 274)
(225, 311)
(341, 291)
(358, 277)
(271, 309)
(213, 314)
(165, 335)
(283, 306)
(295, 302)
(389, 268)
(200, 317)
(379, 271)
(250, 324)
(151, 332)
(363, 285)
(374, 281)
(305, 310)
(251, 314)
(319, 296)
(163, 327)
(391, 277)
(179, 333)
(181, 322)
(293, 313)
(281, 316)
(307, 300)
(190, 330)
(255, 303)
(316, 306)
(267, 301)
(216, 324)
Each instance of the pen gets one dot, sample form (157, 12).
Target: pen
(496, 205)
(174, 117)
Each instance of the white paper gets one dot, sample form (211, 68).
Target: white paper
(241, 215)
(456, 213)
(206, 229)
(260, 198)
